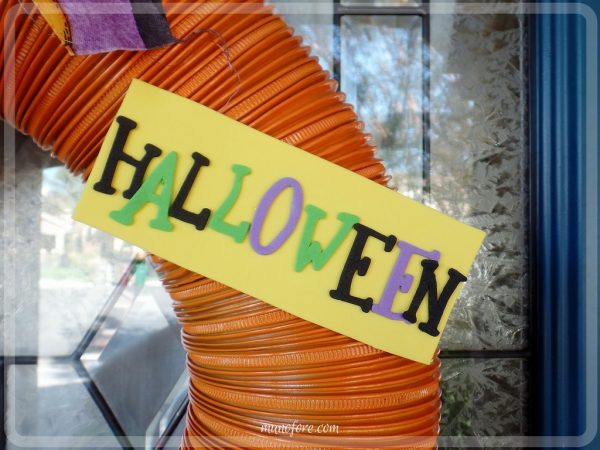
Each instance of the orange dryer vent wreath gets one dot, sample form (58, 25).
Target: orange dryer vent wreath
(244, 61)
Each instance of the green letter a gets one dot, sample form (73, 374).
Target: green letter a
(163, 176)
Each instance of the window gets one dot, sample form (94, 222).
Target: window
(87, 308)
(446, 98)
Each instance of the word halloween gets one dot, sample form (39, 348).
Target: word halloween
(264, 219)
(157, 189)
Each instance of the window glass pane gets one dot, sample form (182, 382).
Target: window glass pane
(49, 400)
(80, 266)
(382, 75)
(478, 168)
(314, 22)
(65, 271)
(486, 397)
(175, 440)
(81, 298)
(136, 351)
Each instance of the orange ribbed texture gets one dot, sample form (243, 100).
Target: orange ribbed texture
(250, 363)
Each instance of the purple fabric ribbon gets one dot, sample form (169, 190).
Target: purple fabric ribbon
(99, 26)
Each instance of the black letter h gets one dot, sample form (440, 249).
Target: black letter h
(117, 154)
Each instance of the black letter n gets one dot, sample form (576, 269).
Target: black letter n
(117, 154)
(436, 307)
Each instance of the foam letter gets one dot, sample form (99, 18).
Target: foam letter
(176, 210)
(263, 209)
(428, 285)
(163, 176)
(399, 279)
(358, 264)
(237, 232)
(311, 251)
(118, 154)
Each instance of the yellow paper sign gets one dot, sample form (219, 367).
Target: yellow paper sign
(222, 199)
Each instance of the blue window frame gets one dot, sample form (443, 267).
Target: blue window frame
(564, 224)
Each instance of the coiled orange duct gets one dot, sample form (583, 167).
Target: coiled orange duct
(250, 363)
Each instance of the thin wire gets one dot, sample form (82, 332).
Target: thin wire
(222, 44)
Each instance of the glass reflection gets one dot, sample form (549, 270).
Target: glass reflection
(382, 75)
(79, 266)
